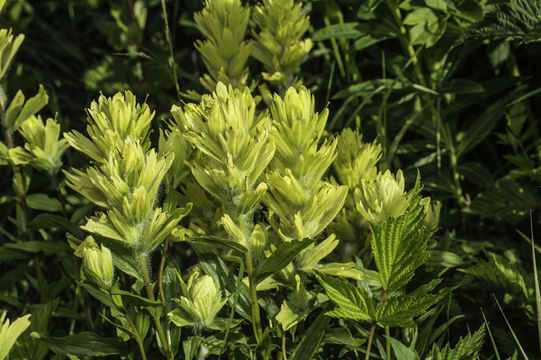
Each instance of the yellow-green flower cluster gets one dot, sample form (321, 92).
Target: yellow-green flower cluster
(279, 44)
(224, 52)
(373, 197)
(201, 302)
(234, 145)
(303, 203)
(356, 161)
(126, 176)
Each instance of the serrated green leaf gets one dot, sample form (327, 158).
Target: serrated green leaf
(400, 310)
(351, 302)
(280, 258)
(467, 348)
(399, 245)
(43, 202)
(504, 274)
(83, 344)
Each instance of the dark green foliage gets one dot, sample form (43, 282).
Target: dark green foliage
(448, 88)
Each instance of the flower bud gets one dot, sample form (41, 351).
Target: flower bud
(202, 301)
(98, 264)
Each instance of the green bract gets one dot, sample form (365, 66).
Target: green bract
(8, 48)
(43, 143)
(10, 333)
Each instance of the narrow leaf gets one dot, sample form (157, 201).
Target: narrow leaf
(344, 31)
(83, 344)
(483, 126)
(43, 202)
(280, 258)
(311, 340)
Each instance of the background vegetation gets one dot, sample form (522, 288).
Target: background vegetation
(449, 88)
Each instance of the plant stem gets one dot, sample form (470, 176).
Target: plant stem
(137, 335)
(171, 52)
(387, 343)
(284, 354)
(373, 329)
(256, 317)
(42, 284)
(162, 295)
(60, 196)
(146, 277)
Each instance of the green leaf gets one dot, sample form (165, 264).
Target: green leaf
(400, 310)
(99, 295)
(222, 324)
(444, 258)
(351, 302)
(43, 202)
(401, 351)
(280, 258)
(311, 339)
(48, 221)
(83, 344)
(506, 275)
(17, 113)
(136, 300)
(463, 86)
(342, 336)
(466, 348)
(190, 347)
(344, 31)
(399, 245)
(46, 247)
(369, 87)
(212, 241)
(483, 126)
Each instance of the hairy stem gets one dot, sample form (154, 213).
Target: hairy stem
(162, 294)
(150, 294)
